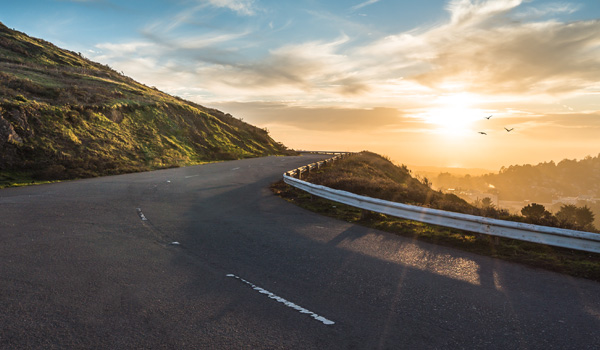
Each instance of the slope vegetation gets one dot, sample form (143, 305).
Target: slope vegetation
(372, 175)
(63, 116)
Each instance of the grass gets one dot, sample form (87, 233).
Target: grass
(375, 169)
(19, 179)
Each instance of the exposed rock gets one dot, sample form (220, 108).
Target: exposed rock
(115, 115)
(20, 123)
(17, 117)
(7, 133)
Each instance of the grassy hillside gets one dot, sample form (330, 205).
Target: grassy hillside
(372, 175)
(63, 116)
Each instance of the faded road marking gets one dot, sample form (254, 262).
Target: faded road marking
(142, 216)
(235, 168)
(187, 177)
(284, 301)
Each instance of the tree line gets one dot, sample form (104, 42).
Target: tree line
(541, 183)
(569, 216)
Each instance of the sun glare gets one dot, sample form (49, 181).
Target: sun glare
(454, 113)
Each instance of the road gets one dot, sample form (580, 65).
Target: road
(206, 257)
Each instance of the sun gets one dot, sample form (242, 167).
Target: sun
(454, 114)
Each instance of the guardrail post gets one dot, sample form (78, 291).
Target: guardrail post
(495, 240)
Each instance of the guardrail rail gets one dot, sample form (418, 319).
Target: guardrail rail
(317, 165)
(579, 240)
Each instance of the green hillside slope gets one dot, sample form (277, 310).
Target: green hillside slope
(63, 116)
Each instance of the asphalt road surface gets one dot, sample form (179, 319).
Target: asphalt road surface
(206, 257)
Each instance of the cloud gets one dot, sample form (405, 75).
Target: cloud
(547, 57)
(486, 47)
(483, 49)
(241, 7)
(550, 9)
(313, 67)
(123, 48)
(320, 118)
(467, 12)
(575, 120)
(196, 43)
(361, 5)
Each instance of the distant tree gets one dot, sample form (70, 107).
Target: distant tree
(537, 214)
(567, 216)
(487, 202)
(585, 217)
(580, 218)
(534, 211)
(426, 182)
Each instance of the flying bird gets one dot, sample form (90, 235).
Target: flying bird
(488, 117)
(482, 133)
(509, 130)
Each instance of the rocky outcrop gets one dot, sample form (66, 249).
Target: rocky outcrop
(9, 141)
(8, 133)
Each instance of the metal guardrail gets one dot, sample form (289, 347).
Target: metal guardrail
(318, 165)
(323, 152)
(579, 240)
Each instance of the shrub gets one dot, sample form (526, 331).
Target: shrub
(53, 172)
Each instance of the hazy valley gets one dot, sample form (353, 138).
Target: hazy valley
(553, 185)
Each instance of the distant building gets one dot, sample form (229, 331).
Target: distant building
(565, 200)
(474, 196)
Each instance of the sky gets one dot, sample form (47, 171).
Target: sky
(412, 80)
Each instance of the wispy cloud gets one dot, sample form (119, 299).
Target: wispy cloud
(549, 9)
(117, 50)
(361, 5)
(469, 12)
(241, 7)
(313, 67)
(320, 118)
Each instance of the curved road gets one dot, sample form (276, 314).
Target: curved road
(206, 257)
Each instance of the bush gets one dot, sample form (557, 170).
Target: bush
(573, 217)
(53, 172)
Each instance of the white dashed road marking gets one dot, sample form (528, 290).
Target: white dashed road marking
(284, 301)
(235, 168)
(187, 177)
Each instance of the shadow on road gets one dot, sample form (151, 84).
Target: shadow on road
(381, 290)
